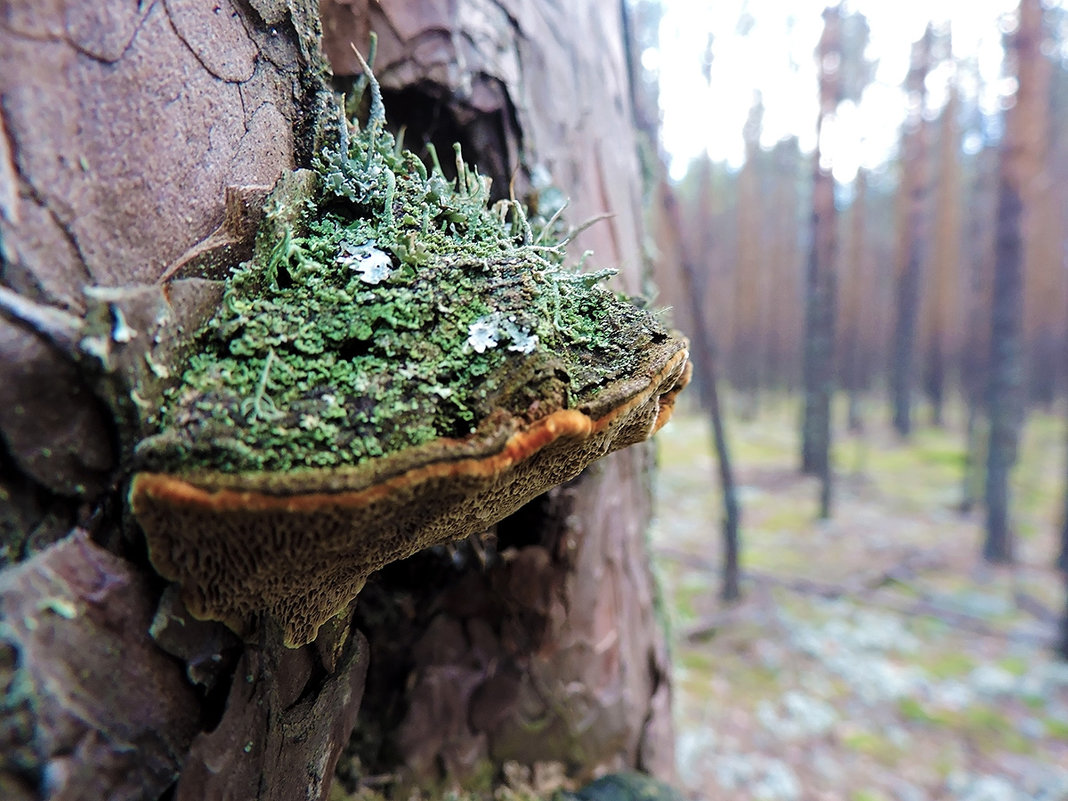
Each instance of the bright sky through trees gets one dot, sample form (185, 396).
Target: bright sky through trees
(767, 46)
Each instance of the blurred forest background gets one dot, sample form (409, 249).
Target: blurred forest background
(862, 226)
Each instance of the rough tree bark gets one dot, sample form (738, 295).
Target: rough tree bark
(130, 135)
(138, 144)
(547, 647)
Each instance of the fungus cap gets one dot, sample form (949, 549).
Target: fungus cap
(299, 545)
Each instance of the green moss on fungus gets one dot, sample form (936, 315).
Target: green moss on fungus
(385, 307)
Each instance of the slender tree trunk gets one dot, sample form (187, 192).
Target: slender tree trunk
(746, 351)
(971, 481)
(1043, 243)
(821, 289)
(784, 326)
(973, 363)
(944, 295)
(1018, 161)
(1062, 556)
(731, 589)
(915, 185)
(1062, 643)
(857, 299)
(1062, 566)
(705, 358)
(1003, 390)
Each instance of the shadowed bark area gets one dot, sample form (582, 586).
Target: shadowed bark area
(89, 701)
(544, 647)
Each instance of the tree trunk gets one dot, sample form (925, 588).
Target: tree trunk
(858, 296)
(138, 147)
(820, 285)
(915, 187)
(1043, 245)
(542, 645)
(746, 353)
(1019, 158)
(705, 358)
(1062, 555)
(1062, 566)
(942, 305)
(784, 322)
(973, 361)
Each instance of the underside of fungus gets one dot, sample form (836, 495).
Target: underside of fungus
(401, 364)
(300, 545)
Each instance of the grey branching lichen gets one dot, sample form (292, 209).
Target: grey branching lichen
(387, 306)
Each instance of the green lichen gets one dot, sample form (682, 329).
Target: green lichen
(386, 306)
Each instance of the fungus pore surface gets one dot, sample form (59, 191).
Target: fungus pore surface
(400, 364)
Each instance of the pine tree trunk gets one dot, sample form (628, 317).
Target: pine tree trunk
(973, 361)
(854, 369)
(1062, 566)
(942, 308)
(704, 348)
(542, 644)
(1020, 157)
(915, 185)
(820, 286)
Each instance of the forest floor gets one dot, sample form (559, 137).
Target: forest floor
(873, 656)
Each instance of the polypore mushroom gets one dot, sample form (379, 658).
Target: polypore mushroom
(400, 365)
(299, 545)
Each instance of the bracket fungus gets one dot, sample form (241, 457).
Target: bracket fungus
(401, 364)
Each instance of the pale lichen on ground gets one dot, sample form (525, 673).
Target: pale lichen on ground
(387, 306)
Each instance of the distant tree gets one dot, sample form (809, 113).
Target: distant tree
(784, 279)
(747, 351)
(980, 179)
(943, 295)
(855, 369)
(843, 74)
(677, 243)
(1062, 565)
(704, 357)
(915, 188)
(1043, 240)
(1017, 156)
(820, 279)
(1056, 172)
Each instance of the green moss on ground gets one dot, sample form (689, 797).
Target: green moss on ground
(385, 307)
(874, 745)
(949, 664)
